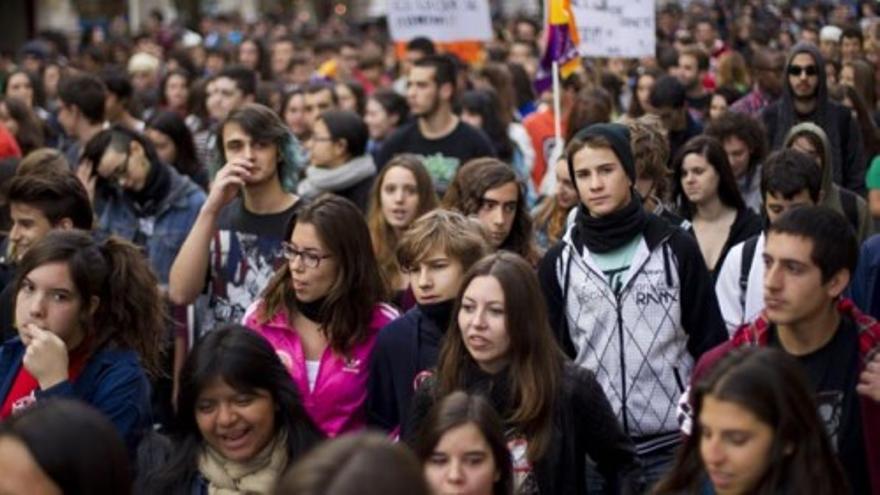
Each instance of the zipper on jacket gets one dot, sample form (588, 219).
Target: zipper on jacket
(623, 407)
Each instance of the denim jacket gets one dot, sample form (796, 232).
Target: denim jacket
(175, 215)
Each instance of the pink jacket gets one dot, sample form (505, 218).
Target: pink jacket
(336, 404)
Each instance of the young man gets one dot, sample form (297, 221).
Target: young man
(669, 102)
(789, 180)
(745, 143)
(139, 198)
(416, 49)
(851, 42)
(437, 134)
(436, 251)
(767, 66)
(119, 100)
(80, 111)
(805, 98)
(628, 295)
(235, 242)
(232, 88)
(693, 63)
(38, 204)
(809, 257)
(319, 97)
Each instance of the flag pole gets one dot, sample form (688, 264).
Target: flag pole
(557, 117)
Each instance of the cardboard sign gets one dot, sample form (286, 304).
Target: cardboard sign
(616, 28)
(439, 20)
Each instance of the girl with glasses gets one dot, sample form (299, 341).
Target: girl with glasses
(321, 311)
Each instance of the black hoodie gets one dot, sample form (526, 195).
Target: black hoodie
(847, 153)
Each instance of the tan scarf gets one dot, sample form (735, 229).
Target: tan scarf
(257, 476)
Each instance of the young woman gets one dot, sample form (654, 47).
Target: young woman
(462, 446)
(756, 431)
(339, 160)
(385, 111)
(555, 413)
(321, 311)
(62, 446)
(293, 112)
(90, 319)
(356, 464)
(23, 123)
(177, 94)
(352, 96)
(707, 195)
(174, 92)
(401, 193)
(253, 55)
(241, 422)
(26, 87)
(483, 109)
(550, 215)
(644, 82)
(810, 139)
(175, 146)
(489, 189)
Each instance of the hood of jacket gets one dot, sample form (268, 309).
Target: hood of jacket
(828, 193)
(787, 114)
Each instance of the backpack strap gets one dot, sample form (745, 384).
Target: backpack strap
(748, 257)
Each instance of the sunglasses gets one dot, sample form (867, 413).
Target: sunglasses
(797, 70)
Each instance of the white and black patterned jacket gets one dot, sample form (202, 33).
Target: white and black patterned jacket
(643, 342)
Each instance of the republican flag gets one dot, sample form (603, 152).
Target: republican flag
(562, 43)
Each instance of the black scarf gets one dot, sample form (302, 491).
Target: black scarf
(312, 310)
(157, 185)
(496, 388)
(604, 234)
(439, 313)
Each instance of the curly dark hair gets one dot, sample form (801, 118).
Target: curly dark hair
(744, 127)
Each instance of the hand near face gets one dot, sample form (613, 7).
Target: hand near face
(869, 380)
(229, 180)
(46, 355)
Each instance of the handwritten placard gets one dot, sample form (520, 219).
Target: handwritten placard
(615, 28)
(439, 20)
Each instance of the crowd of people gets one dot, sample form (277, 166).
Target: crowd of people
(298, 258)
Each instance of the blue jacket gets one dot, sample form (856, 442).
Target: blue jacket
(864, 289)
(112, 381)
(175, 215)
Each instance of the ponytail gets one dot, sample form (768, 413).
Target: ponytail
(131, 305)
(130, 312)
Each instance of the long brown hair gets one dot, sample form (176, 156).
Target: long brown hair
(358, 286)
(771, 385)
(130, 312)
(465, 194)
(534, 355)
(384, 237)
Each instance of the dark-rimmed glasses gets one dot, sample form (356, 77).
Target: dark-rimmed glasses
(309, 259)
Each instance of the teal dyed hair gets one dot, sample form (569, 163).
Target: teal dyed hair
(262, 124)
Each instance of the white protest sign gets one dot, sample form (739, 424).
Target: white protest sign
(439, 20)
(615, 28)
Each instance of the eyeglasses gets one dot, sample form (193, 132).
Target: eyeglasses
(121, 171)
(310, 260)
(797, 70)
